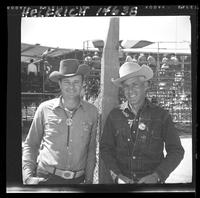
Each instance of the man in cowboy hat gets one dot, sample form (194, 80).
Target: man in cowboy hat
(136, 131)
(60, 147)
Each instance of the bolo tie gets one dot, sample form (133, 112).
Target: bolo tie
(69, 121)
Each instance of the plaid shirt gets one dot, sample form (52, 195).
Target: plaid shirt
(51, 142)
(133, 145)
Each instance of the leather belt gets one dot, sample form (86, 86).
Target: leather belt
(66, 174)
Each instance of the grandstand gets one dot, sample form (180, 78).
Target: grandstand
(170, 86)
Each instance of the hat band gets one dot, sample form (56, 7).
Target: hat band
(71, 74)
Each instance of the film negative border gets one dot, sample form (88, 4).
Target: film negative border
(75, 11)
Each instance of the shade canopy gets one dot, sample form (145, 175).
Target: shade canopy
(125, 44)
(36, 52)
(160, 47)
(98, 43)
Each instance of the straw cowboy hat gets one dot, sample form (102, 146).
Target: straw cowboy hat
(132, 69)
(69, 68)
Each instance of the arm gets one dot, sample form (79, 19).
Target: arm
(91, 155)
(107, 148)
(32, 145)
(173, 147)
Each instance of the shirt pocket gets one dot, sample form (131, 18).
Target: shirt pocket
(53, 125)
(121, 137)
(156, 141)
(142, 139)
(86, 128)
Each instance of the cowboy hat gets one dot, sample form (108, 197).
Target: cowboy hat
(132, 69)
(69, 68)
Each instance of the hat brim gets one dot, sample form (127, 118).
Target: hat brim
(143, 71)
(83, 69)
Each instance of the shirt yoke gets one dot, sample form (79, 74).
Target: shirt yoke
(89, 108)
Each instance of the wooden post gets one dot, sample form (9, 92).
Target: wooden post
(109, 93)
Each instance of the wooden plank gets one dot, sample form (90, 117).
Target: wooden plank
(109, 93)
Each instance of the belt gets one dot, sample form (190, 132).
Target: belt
(66, 174)
(137, 175)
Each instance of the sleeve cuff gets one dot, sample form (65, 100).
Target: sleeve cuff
(161, 176)
(114, 175)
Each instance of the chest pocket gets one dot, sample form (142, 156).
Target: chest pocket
(143, 134)
(156, 140)
(121, 137)
(86, 127)
(53, 124)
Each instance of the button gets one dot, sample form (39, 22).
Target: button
(128, 139)
(134, 157)
(133, 131)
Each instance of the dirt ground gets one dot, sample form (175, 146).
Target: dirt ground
(183, 173)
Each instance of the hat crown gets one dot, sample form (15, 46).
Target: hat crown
(132, 69)
(69, 66)
(127, 68)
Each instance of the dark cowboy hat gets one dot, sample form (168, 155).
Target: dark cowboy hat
(69, 68)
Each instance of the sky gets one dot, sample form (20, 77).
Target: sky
(71, 32)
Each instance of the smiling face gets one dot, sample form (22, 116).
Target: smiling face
(71, 86)
(135, 90)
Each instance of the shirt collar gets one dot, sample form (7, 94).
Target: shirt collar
(126, 105)
(58, 103)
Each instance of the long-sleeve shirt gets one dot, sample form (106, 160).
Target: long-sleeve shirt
(133, 145)
(32, 68)
(51, 142)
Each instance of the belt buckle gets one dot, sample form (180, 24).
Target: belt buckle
(67, 174)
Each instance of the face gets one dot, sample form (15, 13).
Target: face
(135, 90)
(71, 86)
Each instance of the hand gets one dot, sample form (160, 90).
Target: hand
(87, 182)
(149, 179)
(35, 180)
(123, 179)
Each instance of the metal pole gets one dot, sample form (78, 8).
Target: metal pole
(43, 87)
(182, 71)
(83, 50)
(157, 71)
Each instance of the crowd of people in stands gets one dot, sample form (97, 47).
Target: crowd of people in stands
(34, 75)
(165, 62)
(34, 78)
(93, 60)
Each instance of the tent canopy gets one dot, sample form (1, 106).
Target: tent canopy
(158, 47)
(36, 52)
(125, 44)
